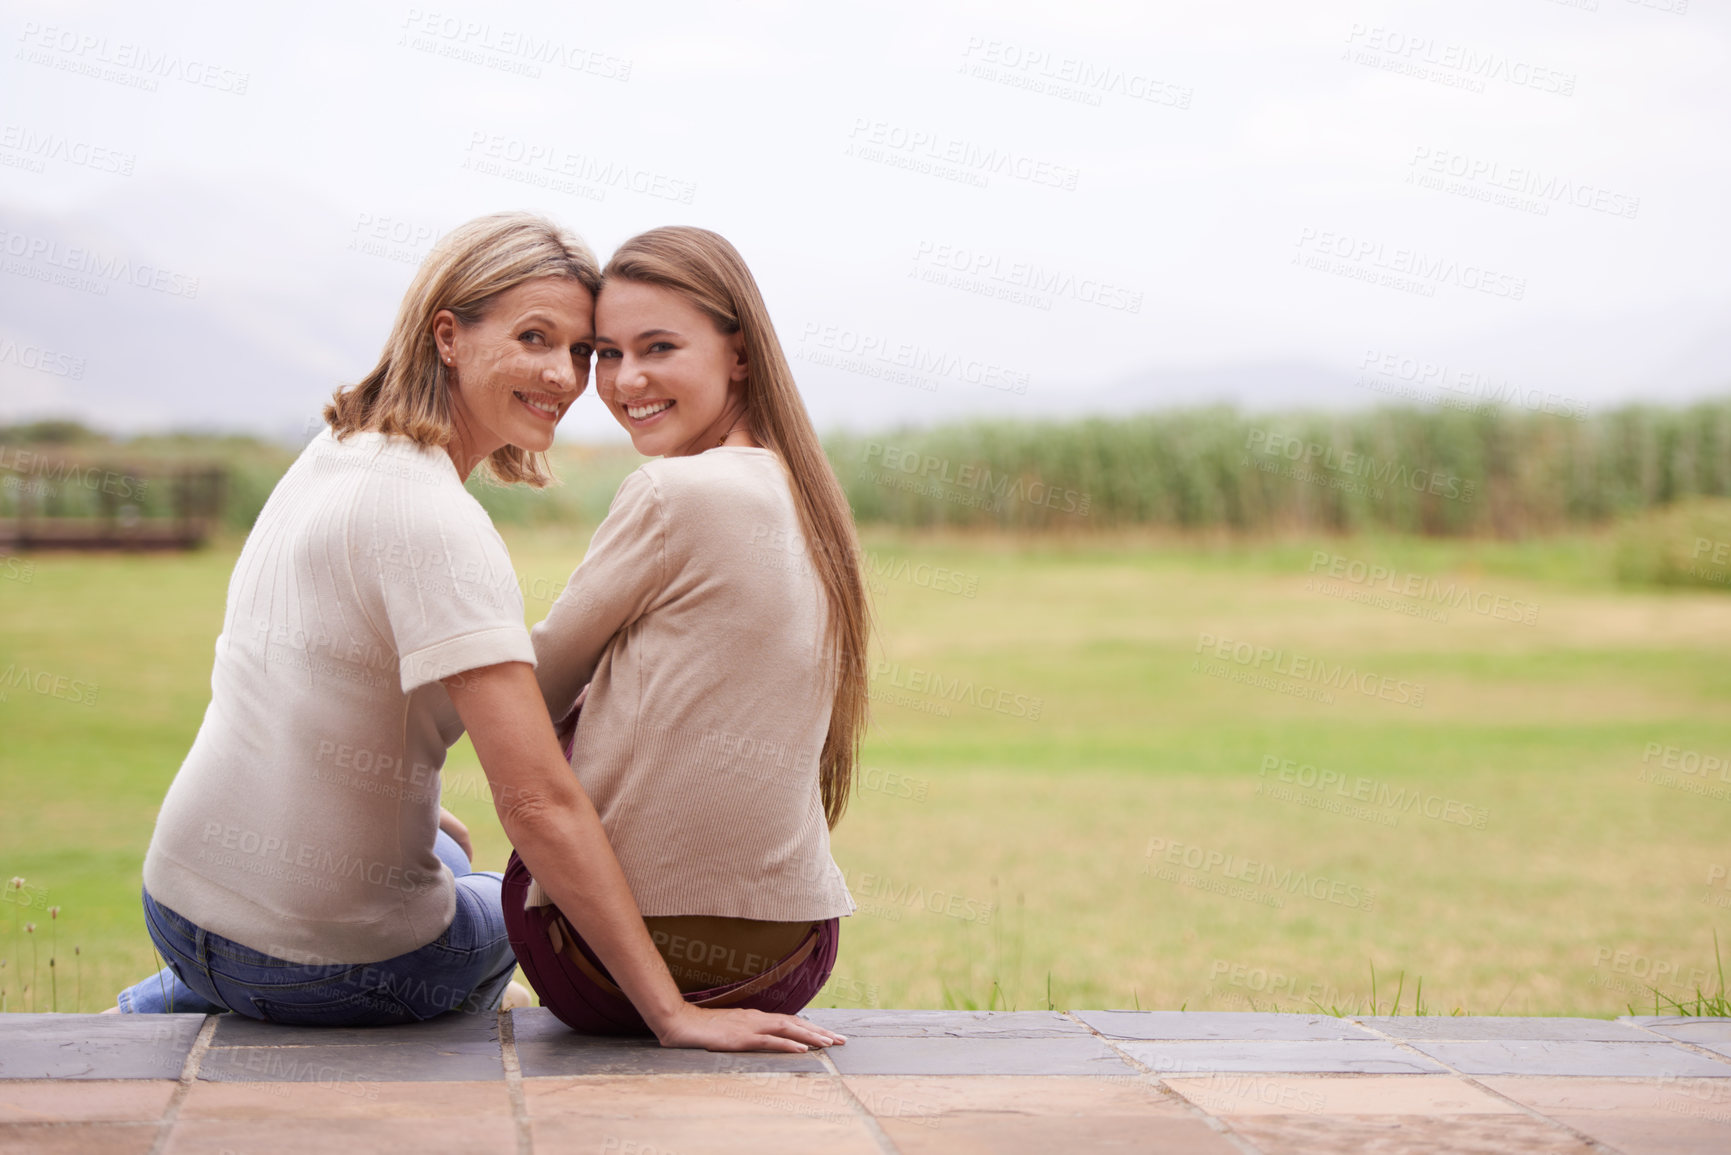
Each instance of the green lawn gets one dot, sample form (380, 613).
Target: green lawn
(1062, 791)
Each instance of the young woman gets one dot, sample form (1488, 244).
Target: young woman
(302, 870)
(719, 623)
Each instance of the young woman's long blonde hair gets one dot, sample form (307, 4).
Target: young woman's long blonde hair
(408, 391)
(706, 270)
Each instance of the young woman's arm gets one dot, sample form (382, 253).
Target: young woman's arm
(459, 832)
(622, 576)
(550, 820)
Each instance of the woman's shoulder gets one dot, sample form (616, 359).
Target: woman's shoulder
(713, 492)
(392, 485)
(386, 457)
(729, 471)
(382, 471)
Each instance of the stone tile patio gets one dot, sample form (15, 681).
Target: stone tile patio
(907, 1081)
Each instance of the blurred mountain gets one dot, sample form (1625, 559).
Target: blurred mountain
(217, 315)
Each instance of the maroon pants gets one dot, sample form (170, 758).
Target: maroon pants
(575, 986)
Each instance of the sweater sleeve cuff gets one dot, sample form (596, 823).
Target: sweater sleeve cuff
(470, 652)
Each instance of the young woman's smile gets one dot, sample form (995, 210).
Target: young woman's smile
(667, 374)
(644, 412)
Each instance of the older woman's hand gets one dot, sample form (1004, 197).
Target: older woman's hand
(459, 833)
(742, 1029)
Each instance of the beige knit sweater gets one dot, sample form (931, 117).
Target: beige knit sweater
(303, 820)
(697, 621)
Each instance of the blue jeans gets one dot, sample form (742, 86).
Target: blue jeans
(466, 968)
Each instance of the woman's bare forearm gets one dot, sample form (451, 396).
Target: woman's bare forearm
(552, 823)
(565, 847)
(556, 831)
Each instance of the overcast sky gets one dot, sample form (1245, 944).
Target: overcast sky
(208, 213)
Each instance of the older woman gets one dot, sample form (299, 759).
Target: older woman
(301, 869)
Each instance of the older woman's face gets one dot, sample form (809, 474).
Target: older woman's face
(517, 370)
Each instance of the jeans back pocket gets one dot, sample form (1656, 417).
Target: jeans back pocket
(313, 1007)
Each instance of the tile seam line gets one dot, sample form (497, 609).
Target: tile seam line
(183, 1086)
(513, 1067)
(447, 1045)
(1595, 1144)
(1697, 1048)
(1216, 1124)
(663, 1076)
(878, 1134)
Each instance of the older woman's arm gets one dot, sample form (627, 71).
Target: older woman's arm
(550, 820)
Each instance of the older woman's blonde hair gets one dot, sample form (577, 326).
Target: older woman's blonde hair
(409, 391)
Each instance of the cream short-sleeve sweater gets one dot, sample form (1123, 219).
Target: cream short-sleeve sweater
(303, 820)
(697, 621)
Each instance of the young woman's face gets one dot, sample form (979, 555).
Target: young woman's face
(517, 370)
(674, 381)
